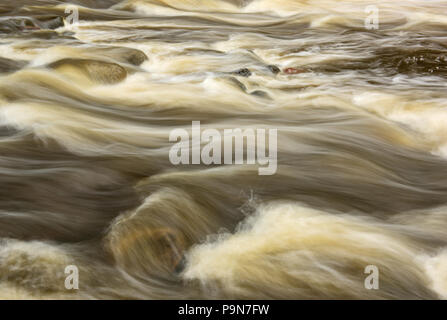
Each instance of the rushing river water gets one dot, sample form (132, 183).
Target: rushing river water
(87, 108)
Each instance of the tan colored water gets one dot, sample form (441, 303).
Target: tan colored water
(85, 116)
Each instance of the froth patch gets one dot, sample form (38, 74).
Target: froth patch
(291, 250)
(34, 266)
(437, 270)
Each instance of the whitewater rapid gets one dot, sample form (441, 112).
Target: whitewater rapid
(86, 111)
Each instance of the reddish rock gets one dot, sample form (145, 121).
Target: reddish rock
(293, 70)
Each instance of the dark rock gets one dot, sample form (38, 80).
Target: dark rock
(121, 54)
(260, 93)
(244, 72)
(274, 69)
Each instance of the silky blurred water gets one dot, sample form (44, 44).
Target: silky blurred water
(86, 110)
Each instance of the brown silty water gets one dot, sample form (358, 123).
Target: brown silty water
(87, 108)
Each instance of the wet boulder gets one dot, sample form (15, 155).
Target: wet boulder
(96, 70)
(50, 22)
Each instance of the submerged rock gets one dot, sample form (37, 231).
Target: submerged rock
(8, 65)
(238, 84)
(43, 34)
(141, 249)
(260, 93)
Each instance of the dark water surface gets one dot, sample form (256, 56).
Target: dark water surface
(85, 116)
